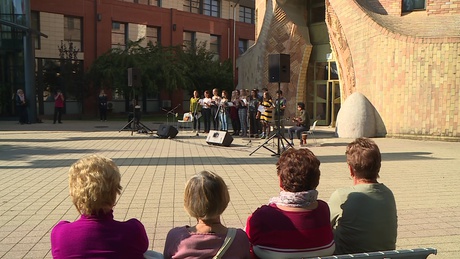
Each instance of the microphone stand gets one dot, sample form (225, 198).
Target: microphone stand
(172, 111)
(278, 134)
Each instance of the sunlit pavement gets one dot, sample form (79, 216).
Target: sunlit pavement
(34, 159)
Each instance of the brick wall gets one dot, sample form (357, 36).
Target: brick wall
(390, 7)
(436, 7)
(277, 35)
(413, 82)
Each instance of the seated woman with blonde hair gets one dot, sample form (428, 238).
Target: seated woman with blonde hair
(294, 224)
(206, 197)
(94, 183)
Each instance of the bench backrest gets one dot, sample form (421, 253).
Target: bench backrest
(417, 253)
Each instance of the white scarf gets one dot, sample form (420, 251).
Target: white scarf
(295, 199)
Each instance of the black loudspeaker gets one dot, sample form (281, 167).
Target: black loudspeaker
(279, 68)
(134, 77)
(220, 138)
(166, 131)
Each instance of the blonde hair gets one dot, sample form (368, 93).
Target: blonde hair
(94, 182)
(206, 196)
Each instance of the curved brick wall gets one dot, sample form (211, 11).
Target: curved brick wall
(412, 81)
(406, 65)
(278, 35)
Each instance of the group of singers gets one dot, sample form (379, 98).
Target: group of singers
(251, 114)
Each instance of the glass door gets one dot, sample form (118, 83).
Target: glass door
(325, 100)
(335, 100)
(321, 107)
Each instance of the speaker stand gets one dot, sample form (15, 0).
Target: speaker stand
(277, 135)
(280, 150)
(134, 125)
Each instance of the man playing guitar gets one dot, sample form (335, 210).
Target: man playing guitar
(303, 123)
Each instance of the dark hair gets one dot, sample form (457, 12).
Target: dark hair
(279, 92)
(302, 105)
(298, 170)
(363, 155)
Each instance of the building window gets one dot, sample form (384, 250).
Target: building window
(215, 46)
(317, 11)
(119, 35)
(206, 7)
(246, 14)
(411, 5)
(211, 8)
(189, 39)
(146, 2)
(73, 31)
(192, 6)
(242, 46)
(153, 35)
(36, 25)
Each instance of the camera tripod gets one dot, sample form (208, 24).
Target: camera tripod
(286, 144)
(135, 123)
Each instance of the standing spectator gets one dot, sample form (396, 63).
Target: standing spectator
(302, 123)
(236, 125)
(215, 103)
(94, 183)
(206, 110)
(195, 110)
(223, 111)
(21, 107)
(296, 223)
(253, 113)
(102, 105)
(205, 198)
(58, 106)
(363, 216)
(280, 106)
(242, 106)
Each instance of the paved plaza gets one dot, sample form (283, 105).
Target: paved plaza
(34, 159)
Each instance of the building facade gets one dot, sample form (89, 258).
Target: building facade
(80, 31)
(402, 55)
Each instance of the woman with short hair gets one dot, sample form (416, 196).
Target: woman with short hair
(294, 224)
(94, 183)
(205, 198)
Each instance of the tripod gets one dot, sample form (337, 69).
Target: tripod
(277, 135)
(135, 123)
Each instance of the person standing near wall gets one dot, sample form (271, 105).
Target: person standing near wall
(102, 105)
(58, 106)
(21, 107)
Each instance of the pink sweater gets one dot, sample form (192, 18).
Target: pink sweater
(180, 243)
(99, 237)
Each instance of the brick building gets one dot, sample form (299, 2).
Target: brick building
(402, 55)
(96, 26)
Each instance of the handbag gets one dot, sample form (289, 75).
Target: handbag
(231, 233)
